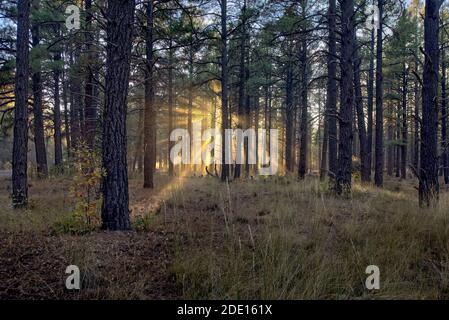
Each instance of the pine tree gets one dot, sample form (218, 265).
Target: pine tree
(115, 208)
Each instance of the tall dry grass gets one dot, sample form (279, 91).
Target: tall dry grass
(282, 239)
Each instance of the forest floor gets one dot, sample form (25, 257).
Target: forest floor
(197, 238)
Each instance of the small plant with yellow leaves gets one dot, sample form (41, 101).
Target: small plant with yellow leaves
(85, 187)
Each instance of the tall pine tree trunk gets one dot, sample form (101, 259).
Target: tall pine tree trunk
(57, 114)
(224, 87)
(343, 181)
(248, 97)
(66, 114)
(138, 150)
(150, 114)
(241, 108)
(404, 123)
(364, 155)
(444, 117)
(379, 150)
(331, 103)
(416, 125)
(90, 105)
(390, 138)
(370, 105)
(289, 117)
(397, 144)
(39, 133)
(115, 209)
(302, 165)
(190, 99)
(75, 102)
(444, 155)
(428, 173)
(171, 105)
(20, 144)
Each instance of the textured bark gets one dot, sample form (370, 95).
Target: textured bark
(267, 111)
(324, 147)
(330, 65)
(304, 127)
(416, 128)
(248, 99)
(75, 103)
(191, 97)
(150, 114)
(390, 138)
(257, 110)
(397, 148)
(65, 90)
(370, 105)
(224, 86)
(57, 114)
(444, 155)
(295, 125)
(115, 208)
(138, 151)
(289, 116)
(365, 168)
(343, 181)
(379, 150)
(241, 108)
(90, 105)
(331, 104)
(171, 105)
(20, 144)
(404, 128)
(428, 173)
(39, 134)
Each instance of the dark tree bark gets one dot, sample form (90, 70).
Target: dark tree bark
(355, 141)
(416, 128)
(20, 144)
(444, 154)
(138, 151)
(191, 96)
(343, 181)
(404, 123)
(171, 105)
(289, 116)
(90, 105)
(66, 114)
(39, 134)
(390, 146)
(397, 144)
(416, 98)
(57, 114)
(369, 137)
(150, 114)
(379, 150)
(330, 142)
(248, 98)
(224, 86)
(428, 173)
(296, 140)
(241, 108)
(75, 102)
(319, 133)
(267, 111)
(302, 163)
(324, 147)
(115, 209)
(257, 110)
(365, 168)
